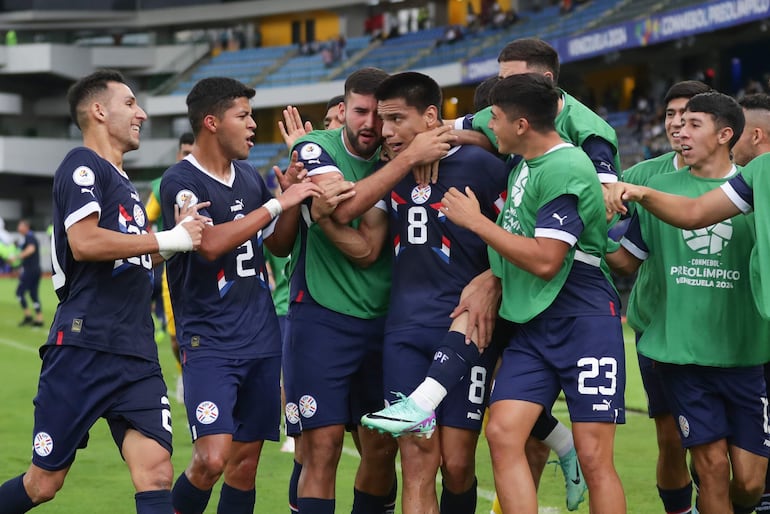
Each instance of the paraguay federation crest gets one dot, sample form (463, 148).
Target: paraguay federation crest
(292, 413)
(684, 426)
(307, 406)
(207, 412)
(421, 194)
(43, 444)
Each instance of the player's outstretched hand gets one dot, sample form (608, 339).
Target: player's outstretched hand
(619, 192)
(480, 299)
(461, 209)
(295, 173)
(335, 190)
(428, 147)
(292, 127)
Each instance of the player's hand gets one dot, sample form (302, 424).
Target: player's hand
(193, 222)
(335, 190)
(428, 147)
(461, 209)
(480, 299)
(295, 173)
(297, 192)
(425, 174)
(617, 193)
(292, 127)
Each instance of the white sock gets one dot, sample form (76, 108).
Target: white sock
(560, 440)
(429, 394)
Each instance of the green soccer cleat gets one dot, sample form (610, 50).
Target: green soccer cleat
(573, 479)
(402, 417)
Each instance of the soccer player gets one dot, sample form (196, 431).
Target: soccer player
(549, 242)
(29, 280)
(716, 391)
(154, 215)
(433, 261)
(226, 323)
(102, 332)
(672, 476)
(339, 300)
(335, 113)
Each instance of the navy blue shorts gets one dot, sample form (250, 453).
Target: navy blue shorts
(710, 404)
(657, 402)
(78, 386)
(582, 356)
(334, 365)
(408, 354)
(241, 397)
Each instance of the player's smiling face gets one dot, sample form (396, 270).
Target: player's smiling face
(673, 123)
(699, 137)
(504, 130)
(363, 126)
(402, 122)
(235, 129)
(123, 116)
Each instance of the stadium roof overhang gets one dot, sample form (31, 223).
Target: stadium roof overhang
(141, 19)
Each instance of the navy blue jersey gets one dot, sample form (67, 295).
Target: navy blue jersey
(31, 263)
(586, 292)
(104, 306)
(434, 259)
(223, 306)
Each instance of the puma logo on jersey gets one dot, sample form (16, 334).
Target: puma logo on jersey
(237, 207)
(560, 219)
(88, 190)
(135, 196)
(606, 165)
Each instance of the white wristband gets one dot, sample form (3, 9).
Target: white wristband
(273, 206)
(175, 240)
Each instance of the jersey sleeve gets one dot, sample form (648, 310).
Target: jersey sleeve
(602, 155)
(80, 185)
(316, 160)
(558, 219)
(633, 241)
(740, 193)
(464, 123)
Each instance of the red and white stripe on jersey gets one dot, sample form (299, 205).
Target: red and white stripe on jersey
(222, 284)
(443, 252)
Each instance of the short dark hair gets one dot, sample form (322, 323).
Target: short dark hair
(364, 81)
(86, 88)
(723, 109)
(539, 55)
(213, 95)
(528, 95)
(417, 89)
(335, 101)
(481, 94)
(187, 138)
(756, 102)
(686, 89)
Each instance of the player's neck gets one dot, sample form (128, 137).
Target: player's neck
(679, 161)
(211, 158)
(104, 149)
(538, 144)
(718, 166)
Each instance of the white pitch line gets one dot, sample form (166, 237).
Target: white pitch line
(17, 345)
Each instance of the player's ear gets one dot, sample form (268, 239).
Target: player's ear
(97, 110)
(210, 123)
(431, 117)
(725, 135)
(341, 112)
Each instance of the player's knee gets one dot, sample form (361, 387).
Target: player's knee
(749, 487)
(209, 463)
(43, 489)
(712, 465)
(497, 433)
(458, 474)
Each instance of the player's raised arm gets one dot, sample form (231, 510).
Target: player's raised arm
(682, 211)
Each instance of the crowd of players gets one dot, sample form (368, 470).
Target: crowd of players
(427, 256)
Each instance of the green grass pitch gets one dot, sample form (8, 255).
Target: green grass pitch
(99, 482)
